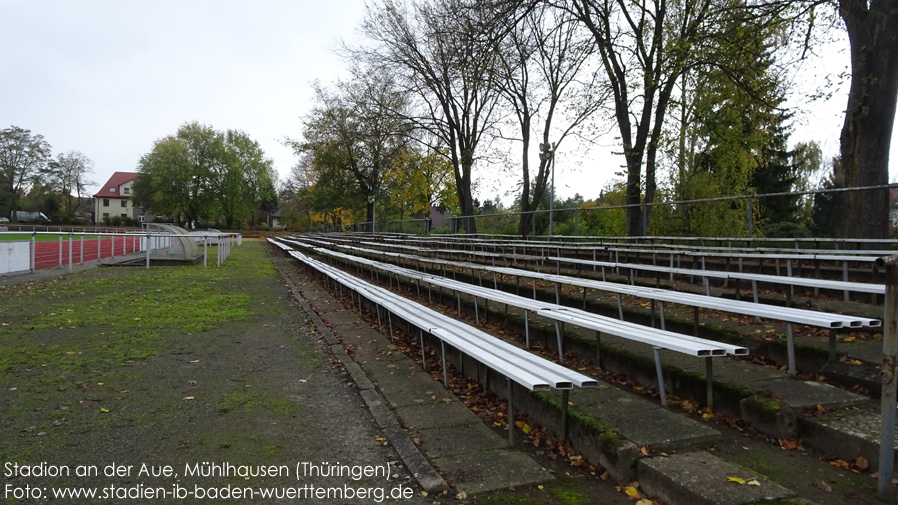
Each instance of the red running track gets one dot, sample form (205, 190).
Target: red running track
(46, 254)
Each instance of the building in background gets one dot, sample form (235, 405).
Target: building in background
(114, 200)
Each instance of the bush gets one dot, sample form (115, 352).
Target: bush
(786, 229)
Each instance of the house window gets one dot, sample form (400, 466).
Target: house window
(105, 215)
(124, 203)
(124, 215)
(105, 202)
(126, 190)
(112, 190)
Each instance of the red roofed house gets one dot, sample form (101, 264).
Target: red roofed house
(114, 198)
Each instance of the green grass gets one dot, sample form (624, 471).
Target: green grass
(251, 401)
(119, 314)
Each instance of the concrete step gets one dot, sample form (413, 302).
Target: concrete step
(848, 434)
(701, 478)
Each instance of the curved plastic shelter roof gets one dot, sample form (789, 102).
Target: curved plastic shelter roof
(176, 243)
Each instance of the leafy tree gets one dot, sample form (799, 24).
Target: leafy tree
(357, 128)
(241, 180)
(203, 173)
(203, 152)
(22, 157)
(776, 173)
(163, 182)
(419, 181)
(725, 140)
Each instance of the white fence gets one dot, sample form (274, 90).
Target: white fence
(19, 254)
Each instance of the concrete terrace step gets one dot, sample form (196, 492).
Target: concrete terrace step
(700, 478)
(849, 433)
(682, 478)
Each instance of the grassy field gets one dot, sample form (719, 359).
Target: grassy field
(64, 340)
(78, 314)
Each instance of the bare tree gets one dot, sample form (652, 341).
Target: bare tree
(68, 173)
(870, 114)
(543, 66)
(444, 53)
(644, 47)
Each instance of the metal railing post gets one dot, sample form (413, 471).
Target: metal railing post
(70, 251)
(750, 218)
(33, 247)
(889, 381)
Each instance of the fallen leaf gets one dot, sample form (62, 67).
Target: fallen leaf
(195, 361)
(631, 491)
(644, 502)
(737, 480)
(823, 486)
(189, 398)
(861, 463)
(105, 411)
(462, 495)
(753, 482)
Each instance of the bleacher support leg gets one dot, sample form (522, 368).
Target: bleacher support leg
(526, 328)
(790, 349)
(510, 413)
(661, 310)
(445, 374)
(423, 358)
(560, 338)
(709, 382)
(565, 400)
(620, 308)
(832, 345)
(390, 322)
(695, 318)
(661, 392)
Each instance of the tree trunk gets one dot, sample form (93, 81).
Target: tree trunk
(870, 114)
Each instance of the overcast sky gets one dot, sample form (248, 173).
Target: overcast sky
(109, 77)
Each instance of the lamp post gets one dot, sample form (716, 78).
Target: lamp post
(371, 202)
(547, 153)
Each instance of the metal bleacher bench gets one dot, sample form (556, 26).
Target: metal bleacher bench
(786, 314)
(657, 338)
(859, 287)
(518, 365)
